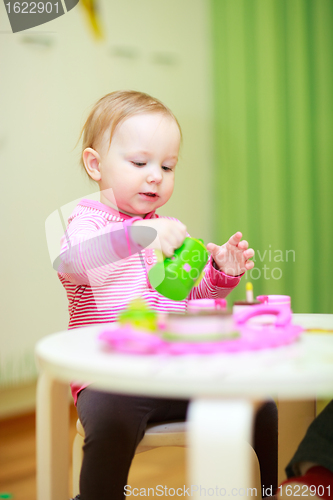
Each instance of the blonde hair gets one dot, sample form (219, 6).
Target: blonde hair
(112, 109)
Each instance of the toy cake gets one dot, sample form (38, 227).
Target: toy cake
(206, 320)
(202, 330)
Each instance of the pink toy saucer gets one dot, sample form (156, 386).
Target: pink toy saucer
(252, 336)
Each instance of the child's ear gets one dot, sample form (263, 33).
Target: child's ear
(91, 161)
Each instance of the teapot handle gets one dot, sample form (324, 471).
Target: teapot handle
(283, 314)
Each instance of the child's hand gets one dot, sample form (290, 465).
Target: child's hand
(170, 234)
(233, 257)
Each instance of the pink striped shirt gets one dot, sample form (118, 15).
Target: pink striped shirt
(101, 277)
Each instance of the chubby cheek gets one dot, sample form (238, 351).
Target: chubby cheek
(169, 189)
(115, 191)
(122, 186)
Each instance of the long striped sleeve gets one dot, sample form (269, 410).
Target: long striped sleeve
(90, 251)
(214, 284)
(102, 269)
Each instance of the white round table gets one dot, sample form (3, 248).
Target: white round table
(221, 388)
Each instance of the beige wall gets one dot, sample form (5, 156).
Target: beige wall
(50, 76)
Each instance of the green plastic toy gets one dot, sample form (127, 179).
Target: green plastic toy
(177, 275)
(139, 316)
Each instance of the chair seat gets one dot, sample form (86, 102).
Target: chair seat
(156, 435)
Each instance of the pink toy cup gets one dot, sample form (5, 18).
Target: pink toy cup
(275, 300)
(201, 305)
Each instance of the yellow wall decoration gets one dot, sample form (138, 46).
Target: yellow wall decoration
(91, 9)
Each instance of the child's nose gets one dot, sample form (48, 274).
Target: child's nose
(155, 174)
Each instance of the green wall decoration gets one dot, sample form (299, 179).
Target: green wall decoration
(273, 112)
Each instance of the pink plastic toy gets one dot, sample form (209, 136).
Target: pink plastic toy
(276, 300)
(197, 305)
(131, 340)
(253, 336)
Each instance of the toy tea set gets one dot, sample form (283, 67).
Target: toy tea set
(207, 327)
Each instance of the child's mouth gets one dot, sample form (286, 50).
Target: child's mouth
(149, 196)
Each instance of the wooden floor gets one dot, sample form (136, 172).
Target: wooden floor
(164, 467)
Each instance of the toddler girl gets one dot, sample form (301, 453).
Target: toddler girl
(130, 148)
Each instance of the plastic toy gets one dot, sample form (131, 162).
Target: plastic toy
(240, 305)
(253, 336)
(275, 300)
(177, 275)
(249, 291)
(131, 340)
(139, 316)
(199, 305)
(206, 326)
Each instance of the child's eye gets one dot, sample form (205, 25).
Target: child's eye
(166, 168)
(138, 164)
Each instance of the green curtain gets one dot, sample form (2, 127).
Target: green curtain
(273, 135)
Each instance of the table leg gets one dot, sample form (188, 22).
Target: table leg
(219, 454)
(52, 431)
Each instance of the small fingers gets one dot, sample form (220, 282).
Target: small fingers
(175, 238)
(183, 229)
(168, 252)
(248, 254)
(178, 235)
(211, 247)
(249, 265)
(235, 238)
(170, 246)
(243, 245)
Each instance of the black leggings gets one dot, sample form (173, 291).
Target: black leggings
(114, 425)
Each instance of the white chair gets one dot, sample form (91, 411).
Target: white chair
(156, 436)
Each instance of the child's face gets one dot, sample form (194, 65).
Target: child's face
(140, 164)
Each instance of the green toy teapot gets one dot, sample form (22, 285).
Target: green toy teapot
(177, 275)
